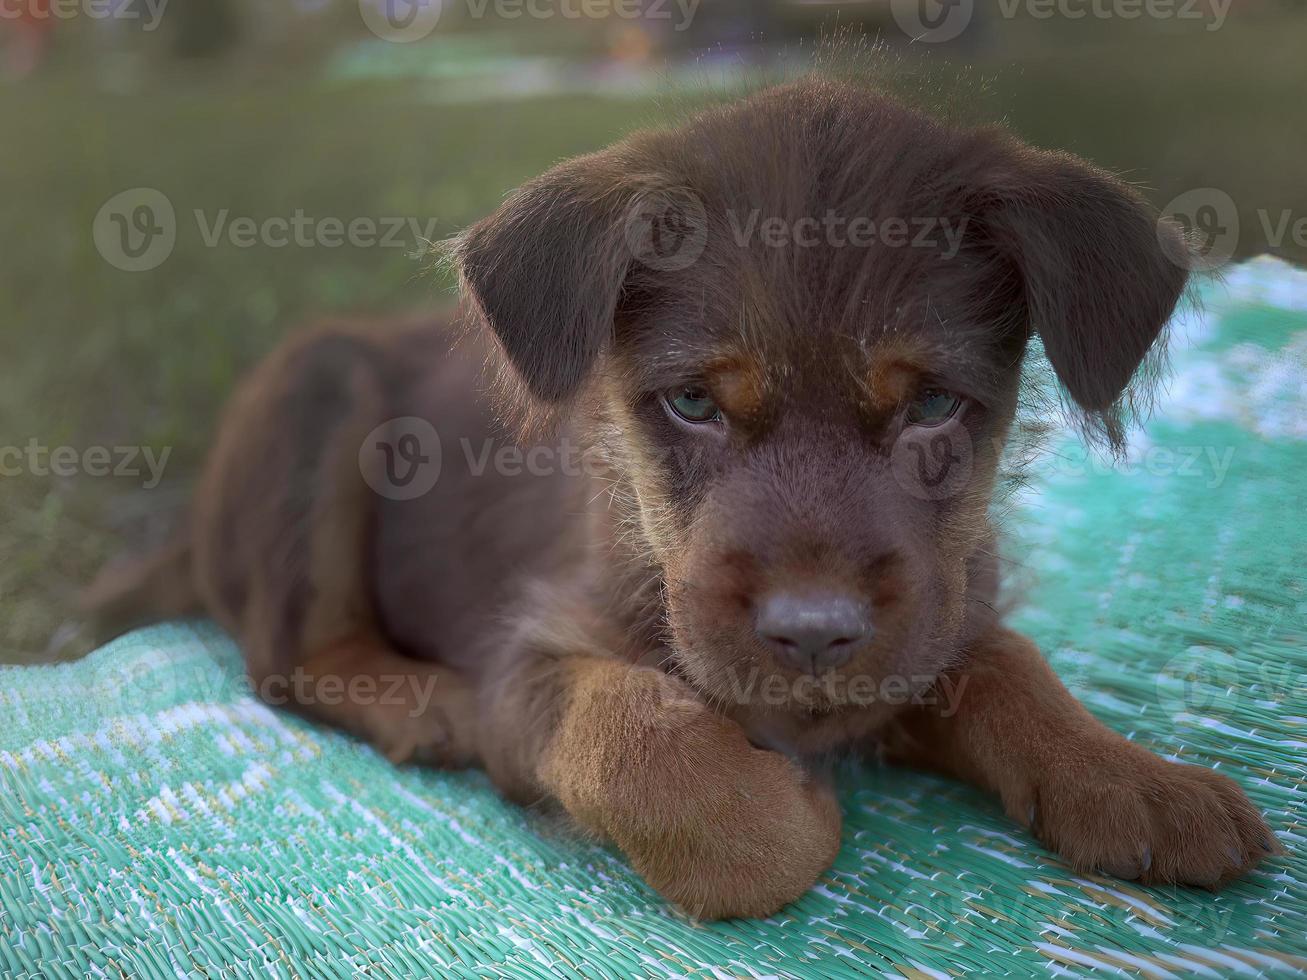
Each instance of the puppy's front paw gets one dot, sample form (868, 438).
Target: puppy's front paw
(753, 837)
(1121, 810)
(716, 826)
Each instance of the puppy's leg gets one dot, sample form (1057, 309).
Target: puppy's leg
(1101, 801)
(282, 539)
(715, 825)
(410, 710)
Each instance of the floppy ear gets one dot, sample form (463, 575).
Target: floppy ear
(1100, 275)
(546, 270)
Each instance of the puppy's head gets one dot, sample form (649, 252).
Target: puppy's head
(801, 321)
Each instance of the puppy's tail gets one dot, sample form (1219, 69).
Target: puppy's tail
(157, 586)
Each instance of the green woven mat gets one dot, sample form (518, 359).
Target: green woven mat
(156, 820)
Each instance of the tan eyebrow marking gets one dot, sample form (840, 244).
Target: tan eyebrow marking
(894, 372)
(738, 383)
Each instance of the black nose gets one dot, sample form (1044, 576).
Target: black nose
(813, 632)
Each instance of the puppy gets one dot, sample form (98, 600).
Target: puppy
(765, 365)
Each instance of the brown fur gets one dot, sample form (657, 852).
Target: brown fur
(896, 371)
(1083, 790)
(740, 387)
(591, 631)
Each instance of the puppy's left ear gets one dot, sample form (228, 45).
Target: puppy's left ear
(546, 270)
(1099, 273)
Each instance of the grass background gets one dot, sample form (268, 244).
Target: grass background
(93, 356)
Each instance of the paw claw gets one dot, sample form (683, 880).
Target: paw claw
(399, 752)
(1122, 871)
(1194, 826)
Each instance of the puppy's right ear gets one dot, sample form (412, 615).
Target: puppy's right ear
(546, 271)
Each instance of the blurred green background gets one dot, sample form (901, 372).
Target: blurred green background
(266, 110)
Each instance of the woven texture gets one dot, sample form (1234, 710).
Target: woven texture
(156, 820)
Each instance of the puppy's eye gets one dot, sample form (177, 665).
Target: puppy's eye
(693, 403)
(933, 406)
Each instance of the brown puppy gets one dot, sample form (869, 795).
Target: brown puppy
(769, 361)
